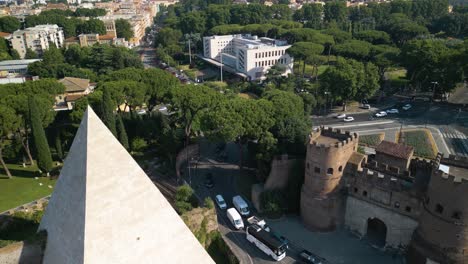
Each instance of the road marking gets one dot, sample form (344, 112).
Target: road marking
(363, 124)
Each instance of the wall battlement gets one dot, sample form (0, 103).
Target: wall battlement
(343, 137)
(387, 169)
(385, 180)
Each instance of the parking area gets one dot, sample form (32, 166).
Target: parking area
(339, 247)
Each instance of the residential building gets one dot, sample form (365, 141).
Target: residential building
(248, 55)
(86, 40)
(36, 38)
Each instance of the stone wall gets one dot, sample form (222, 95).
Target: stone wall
(280, 172)
(400, 228)
(186, 154)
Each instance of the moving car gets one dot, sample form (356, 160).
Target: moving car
(407, 107)
(393, 111)
(381, 114)
(235, 218)
(241, 205)
(348, 119)
(209, 183)
(141, 112)
(309, 257)
(220, 202)
(162, 108)
(341, 116)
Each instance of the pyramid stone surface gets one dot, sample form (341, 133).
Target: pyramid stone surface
(105, 209)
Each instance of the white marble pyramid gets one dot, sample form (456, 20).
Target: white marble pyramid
(105, 209)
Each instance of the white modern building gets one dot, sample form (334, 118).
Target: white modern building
(36, 38)
(248, 55)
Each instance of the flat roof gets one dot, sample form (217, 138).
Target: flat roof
(456, 171)
(17, 62)
(326, 140)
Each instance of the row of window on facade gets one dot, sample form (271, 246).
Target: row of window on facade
(269, 62)
(329, 170)
(269, 53)
(440, 210)
(395, 205)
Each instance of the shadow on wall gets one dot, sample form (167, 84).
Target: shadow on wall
(19, 242)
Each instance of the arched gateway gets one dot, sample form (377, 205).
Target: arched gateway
(376, 232)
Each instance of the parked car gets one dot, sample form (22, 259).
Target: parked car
(365, 106)
(162, 108)
(340, 116)
(235, 218)
(309, 257)
(209, 183)
(348, 119)
(241, 205)
(220, 201)
(381, 114)
(393, 111)
(407, 107)
(141, 112)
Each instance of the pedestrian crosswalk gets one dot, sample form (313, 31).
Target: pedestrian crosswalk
(456, 141)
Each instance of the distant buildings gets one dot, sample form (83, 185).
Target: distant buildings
(87, 40)
(36, 38)
(248, 55)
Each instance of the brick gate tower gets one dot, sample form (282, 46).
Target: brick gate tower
(442, 235)
(328, 151)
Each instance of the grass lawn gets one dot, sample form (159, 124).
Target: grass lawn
(397, 77)
(422, 141)
(371, 140)
(309, 69)
(22, 188)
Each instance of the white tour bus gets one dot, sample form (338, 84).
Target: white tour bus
(266, 242)
(241, 205)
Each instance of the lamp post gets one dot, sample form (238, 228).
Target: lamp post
(221, 68)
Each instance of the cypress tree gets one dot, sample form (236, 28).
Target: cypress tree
(44, 158)
(123, 138)
(108, 111)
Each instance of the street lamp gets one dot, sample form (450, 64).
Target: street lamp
(433, 89)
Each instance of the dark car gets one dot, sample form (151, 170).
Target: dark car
(309, 257)
(209, 183)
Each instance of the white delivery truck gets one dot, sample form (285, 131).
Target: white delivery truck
(235, 218)
(253, 220)
(241, 205)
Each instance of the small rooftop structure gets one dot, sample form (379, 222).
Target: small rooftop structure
(105, 209)
(75, 85)
(395, 150)
(16, 66)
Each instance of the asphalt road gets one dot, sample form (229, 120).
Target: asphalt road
(224, 177)
(440, 118)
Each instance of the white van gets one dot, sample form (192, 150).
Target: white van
(235, 218)
(241, 205)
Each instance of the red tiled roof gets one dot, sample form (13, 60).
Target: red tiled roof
(395, 150)
(4, 34)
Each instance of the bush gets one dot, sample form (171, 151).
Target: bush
(209, 203)
(185, 199)
(273, 203)
(139, 144)
(219, 250)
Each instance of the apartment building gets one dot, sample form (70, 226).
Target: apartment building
(36, 38)
(87, 40)
(249, 55)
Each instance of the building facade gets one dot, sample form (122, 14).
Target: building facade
(36, 38)
(391, 198)
(248, 54)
